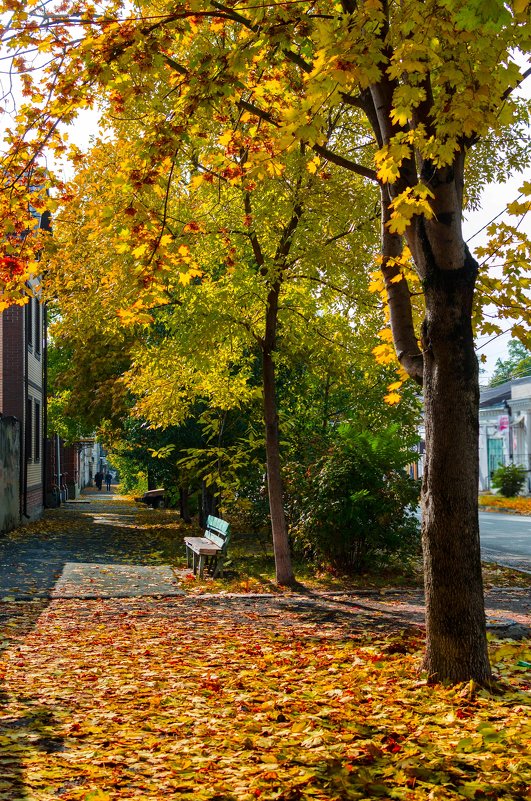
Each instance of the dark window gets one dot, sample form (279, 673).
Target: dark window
(37, 447)
(38, 332)
(29, 323)
(29, 430)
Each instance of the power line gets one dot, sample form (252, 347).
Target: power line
(493, 219)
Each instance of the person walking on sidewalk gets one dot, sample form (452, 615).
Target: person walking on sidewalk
(108, 479)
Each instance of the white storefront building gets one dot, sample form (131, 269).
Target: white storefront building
(505, 429)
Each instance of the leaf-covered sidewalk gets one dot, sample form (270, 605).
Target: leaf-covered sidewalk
(233, 698)
(155, 699)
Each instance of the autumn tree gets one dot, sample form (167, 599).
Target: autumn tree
(244, 266)
(413, 88)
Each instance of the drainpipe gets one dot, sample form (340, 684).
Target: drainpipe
(58, 464)
(510, 430)
(25, 422)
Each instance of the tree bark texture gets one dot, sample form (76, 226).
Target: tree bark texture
(447, 368)
(184, 510)
(209, 504)
(283, 566)
(455, 617)
(284, 571)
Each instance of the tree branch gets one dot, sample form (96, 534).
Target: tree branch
(401, 314)
(257, 250)
(509, 91)
(341, 161)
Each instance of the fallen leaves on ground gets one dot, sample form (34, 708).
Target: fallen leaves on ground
(520, 505)
(495, 575)
(231, 701)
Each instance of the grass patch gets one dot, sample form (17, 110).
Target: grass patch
(251, 566)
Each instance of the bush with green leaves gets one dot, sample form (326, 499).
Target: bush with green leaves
(359, 508)
(509, 479)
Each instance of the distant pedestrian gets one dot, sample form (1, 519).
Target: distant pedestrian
(108, 479)
(98, 480)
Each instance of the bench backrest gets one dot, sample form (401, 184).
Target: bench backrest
(154, 493)
(218, 531)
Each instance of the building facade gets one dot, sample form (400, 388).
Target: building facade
(505, 429)
(23, 397)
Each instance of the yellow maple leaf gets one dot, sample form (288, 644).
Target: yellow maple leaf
(392, 398)
(140, 251)
(185, 277)
(394, 386)
(225, 138)
(386, 335)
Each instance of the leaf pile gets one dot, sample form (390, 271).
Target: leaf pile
(227, 701)
(520, 505)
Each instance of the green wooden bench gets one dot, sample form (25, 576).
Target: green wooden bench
(209, 550)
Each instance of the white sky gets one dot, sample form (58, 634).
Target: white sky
(494, 200)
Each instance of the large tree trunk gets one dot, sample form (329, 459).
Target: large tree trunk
(455, 617)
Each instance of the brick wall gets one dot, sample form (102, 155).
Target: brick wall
(34, 502)
(12, 362)
(13, 391)
(71, 470)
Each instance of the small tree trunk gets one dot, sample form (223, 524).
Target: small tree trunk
(455, 617)
(209, 505)
(283, 567)
(284, 570)
(184, 510)
(151, 479)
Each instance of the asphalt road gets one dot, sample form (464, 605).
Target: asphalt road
(506, 539)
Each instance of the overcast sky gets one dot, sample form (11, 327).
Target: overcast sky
(494, 200)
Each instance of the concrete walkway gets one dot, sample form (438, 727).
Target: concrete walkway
(103, 546)
(88, 548)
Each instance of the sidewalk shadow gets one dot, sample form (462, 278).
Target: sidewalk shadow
(25, 726)
(32, 562)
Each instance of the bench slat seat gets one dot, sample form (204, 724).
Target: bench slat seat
(201, 545)
(209, 550)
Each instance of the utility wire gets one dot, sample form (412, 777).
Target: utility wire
(493, 219)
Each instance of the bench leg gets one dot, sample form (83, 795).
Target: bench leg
(188, 557)
(201, 565)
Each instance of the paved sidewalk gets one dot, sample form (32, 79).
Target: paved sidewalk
(92, 548)
(88, 548)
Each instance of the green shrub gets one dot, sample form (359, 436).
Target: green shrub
(509, 479)
(133, 479)
(359, 506)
